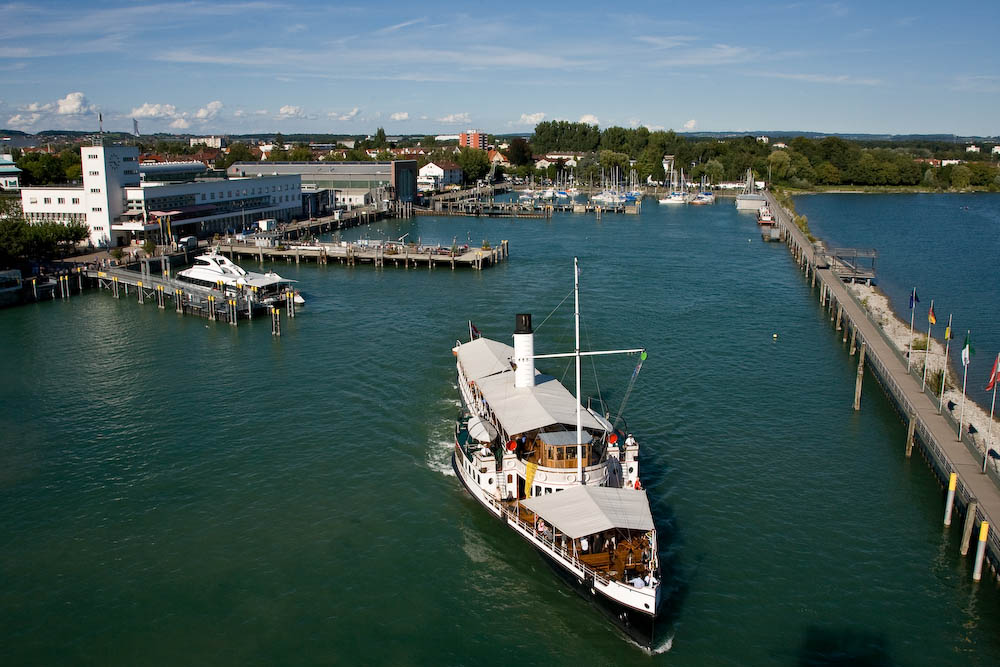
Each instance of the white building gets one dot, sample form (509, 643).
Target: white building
(441, 173)
(972, 148)
(763, 139)
(209, 142)
(10, 175)
(119, 208)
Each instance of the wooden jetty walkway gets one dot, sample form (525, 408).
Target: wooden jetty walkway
(489, 208)
(216, 304)
(954, 458)
(377, 254)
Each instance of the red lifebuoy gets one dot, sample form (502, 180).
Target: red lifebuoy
(638, 486)
(613, 438)
(511, 446)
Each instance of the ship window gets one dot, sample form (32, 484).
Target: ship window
(560, 453)
(538, 490)
(489, 482)
(548, 490)
(510, 479)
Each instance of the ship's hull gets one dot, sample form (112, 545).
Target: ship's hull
(638, 626)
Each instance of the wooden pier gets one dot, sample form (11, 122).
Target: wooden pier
(488, 208)
(953, 457)
(377, 254)
(221, 304)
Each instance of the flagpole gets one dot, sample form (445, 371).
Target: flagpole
(927, 347)
(944, 371)
(989, 432)
(961, 419)
(909, 352)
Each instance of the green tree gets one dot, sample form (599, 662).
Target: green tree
(238, 152)
(301, 153)
(779, 162)
(715, 171)
(961, 177)
(519, 152)
(827, 174)
(474, 164)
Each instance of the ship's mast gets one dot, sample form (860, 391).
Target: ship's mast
(579, 396)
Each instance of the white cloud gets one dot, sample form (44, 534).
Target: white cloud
(691, 124)
(159, 111)
(668, 42)
(23, 120)
(590, 119)
(350, 115)
(823, 78)
(74, 104)
(180, 123)
(531, 118)
(400, 115)
(655, 128)
(398, 26)
(239, 113)
(455, 118)
(209, 111)
(35, 107)
(260, 112)
(290, 111)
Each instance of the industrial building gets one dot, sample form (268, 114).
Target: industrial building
(120, 204)
(352, 183)
(472, 139)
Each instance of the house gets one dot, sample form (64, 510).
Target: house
(436, 176)
(972, 148)
(498, 157)
(995, 151)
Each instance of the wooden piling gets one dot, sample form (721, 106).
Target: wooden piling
(970, 521)
(909, 434)
(860, 377)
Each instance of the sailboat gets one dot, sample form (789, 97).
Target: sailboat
(561, 476)
(750, 199)
(678, 194)
(704, 196)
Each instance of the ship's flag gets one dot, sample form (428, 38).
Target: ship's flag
(930, 314)
(473, 331)
(994, 375)
(913, 298)
(967, 350)
(947, 331)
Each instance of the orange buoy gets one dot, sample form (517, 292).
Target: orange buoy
(613, 438)
(511, 446)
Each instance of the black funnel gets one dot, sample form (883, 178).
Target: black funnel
(523, 325)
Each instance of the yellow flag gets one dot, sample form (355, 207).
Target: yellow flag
(947, 333)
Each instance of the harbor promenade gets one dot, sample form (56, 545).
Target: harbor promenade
(945, 448)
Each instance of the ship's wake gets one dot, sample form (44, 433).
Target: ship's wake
(441, 439)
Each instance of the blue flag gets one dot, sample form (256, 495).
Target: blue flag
(913, 297)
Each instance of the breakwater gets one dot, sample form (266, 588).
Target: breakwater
(956, 460)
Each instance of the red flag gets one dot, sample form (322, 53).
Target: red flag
(994, 376)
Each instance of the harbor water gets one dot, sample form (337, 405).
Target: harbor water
(176, 490)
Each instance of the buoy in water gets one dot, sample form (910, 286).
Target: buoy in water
(774, 336)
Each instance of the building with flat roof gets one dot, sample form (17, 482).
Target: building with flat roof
(10, 175)
(472, 139)
(352, 181)
(210, 142)
(120, 206)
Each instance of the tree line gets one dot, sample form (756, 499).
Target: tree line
(805, 162)
(20, 241)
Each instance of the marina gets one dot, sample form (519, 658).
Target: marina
(812, 517)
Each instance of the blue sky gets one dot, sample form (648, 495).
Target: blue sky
(427, 67)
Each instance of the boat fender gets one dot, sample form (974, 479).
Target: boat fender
(511, 446)
(638, 485)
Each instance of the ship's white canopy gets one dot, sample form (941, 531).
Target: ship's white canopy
(518, 409)
(584, 510)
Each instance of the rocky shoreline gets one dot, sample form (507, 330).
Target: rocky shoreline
(898, 331)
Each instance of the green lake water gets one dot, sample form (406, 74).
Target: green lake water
(179, 491)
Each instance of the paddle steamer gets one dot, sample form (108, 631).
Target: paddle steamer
(558, 474)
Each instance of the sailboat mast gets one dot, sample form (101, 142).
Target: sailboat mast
(579, 396)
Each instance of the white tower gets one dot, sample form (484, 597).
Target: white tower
(524, 352)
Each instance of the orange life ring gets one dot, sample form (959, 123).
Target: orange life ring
(638, 486)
